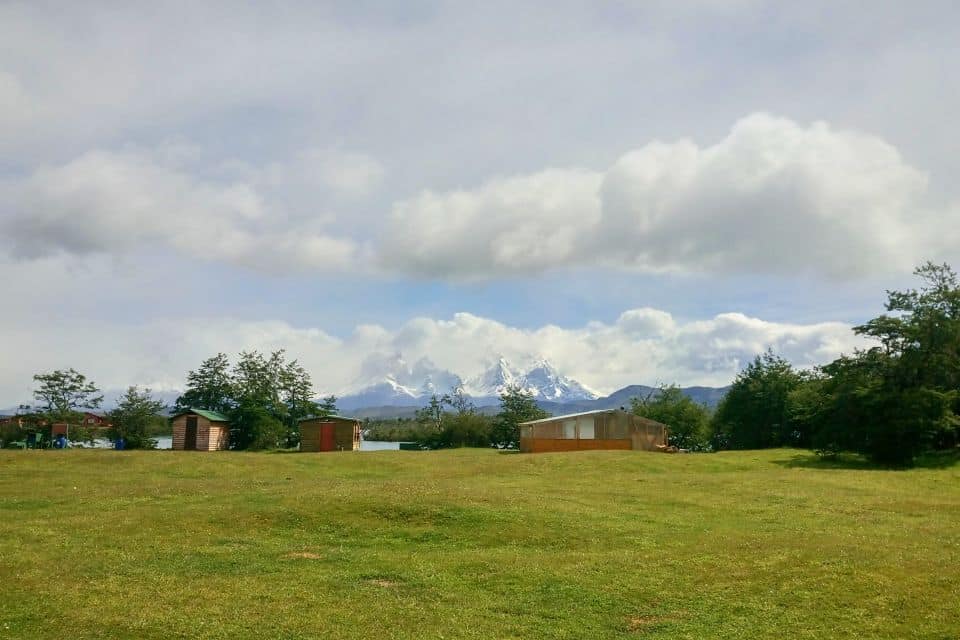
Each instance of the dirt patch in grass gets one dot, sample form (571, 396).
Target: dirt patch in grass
(302, 555)
(381, 582)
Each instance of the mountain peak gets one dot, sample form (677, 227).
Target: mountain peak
(388, 379)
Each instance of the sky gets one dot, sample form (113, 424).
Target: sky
(640, 192)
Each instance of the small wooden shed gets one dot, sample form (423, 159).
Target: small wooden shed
(604, 429)
(200, 430)
(330, 433)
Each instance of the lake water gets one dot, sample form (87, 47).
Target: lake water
(378, 445)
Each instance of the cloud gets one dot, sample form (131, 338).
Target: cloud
(643, 346)
(348, 174)
(515, 225)
(772, 196)
(109, 202)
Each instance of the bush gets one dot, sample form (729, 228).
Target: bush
(254, 428)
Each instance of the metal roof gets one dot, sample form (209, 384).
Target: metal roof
(594, 413)
(213, 416)
(573, 415)
(330, 417)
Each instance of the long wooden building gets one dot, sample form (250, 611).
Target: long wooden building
(605, 429)
(200, 430)
(330, 433)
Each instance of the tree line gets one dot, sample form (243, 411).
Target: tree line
(893, 401)
(263, 397)
(452, 420)
(64, 396)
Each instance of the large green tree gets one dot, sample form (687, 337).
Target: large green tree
(754, 413)
(898, 399)
(689, 422)
(271, 395)
(63, 393)
(209, 387)
(296, 394)
(516, 405)
(136, 416)
(920, 339)
(265, 396)
(452, 420)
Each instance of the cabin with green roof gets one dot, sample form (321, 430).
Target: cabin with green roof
(330, 433)
(200, 430)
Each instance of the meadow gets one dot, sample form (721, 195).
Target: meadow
(475, 543)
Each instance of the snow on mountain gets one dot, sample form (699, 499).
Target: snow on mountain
(388, 380)
(546, 383)
(494, 380)
(391, 381)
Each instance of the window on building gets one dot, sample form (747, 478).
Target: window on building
(586, 426)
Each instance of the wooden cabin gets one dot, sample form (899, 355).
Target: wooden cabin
(330, 433)
(95, 420)
(200, 430)
(605, 429)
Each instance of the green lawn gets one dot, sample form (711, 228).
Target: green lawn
(474, 544)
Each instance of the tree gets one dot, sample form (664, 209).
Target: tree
(327, 406)
(296, 390)
(433, 413)
(209, 387)
(688, 421)
(254, 427)
(62, 393)
(464, 426)
(516, 405)
(753, 414)
(265, 397)
(459, 401)
(922, 344)
(467, 429)
(270, 396)
(136, 414)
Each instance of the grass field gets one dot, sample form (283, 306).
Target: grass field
(474, 544)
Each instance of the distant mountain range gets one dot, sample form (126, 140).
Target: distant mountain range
(395, 383)
(389, 387)
(393, 388)
(709, 396)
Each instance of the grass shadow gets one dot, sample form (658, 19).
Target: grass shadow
(810, 460)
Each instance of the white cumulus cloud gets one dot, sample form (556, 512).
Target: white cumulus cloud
(643, 346)
(122, 202)
(773, 196)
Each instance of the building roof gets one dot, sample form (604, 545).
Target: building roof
(570, 415)
(330, 417)
(212, 416)
(586, 413)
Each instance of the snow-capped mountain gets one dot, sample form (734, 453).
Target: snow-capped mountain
(546, 383)
(494, 380)
(542, 380)
(391, 381)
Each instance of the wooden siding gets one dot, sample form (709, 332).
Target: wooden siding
(211, 436)
(592, 431)
(346, 435)
(545, 445)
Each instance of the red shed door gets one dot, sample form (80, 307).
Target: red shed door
(326, 437)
